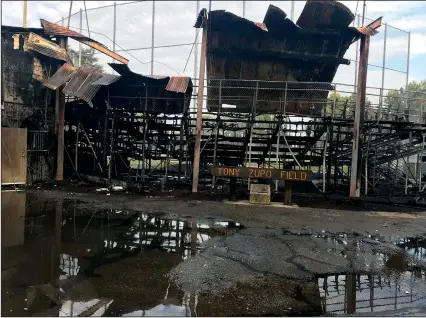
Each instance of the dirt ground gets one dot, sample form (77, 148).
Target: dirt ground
(306, 215)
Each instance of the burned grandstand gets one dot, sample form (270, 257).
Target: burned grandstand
(267, 103)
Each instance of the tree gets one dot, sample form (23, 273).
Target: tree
(88, 58)
(411, 101)
(346, 104)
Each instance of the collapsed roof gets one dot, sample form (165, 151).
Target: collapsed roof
(128, 90)
(277, 50)
(39, 40)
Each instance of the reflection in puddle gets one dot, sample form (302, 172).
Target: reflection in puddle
(400, 283)
(343, 294)
(60, 260)
(160, 311)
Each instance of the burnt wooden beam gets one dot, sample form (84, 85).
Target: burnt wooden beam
(60, 122)
(276, 56)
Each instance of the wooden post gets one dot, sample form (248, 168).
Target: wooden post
(355, 186)
(288, 192)
(198, 127)
(59, 124)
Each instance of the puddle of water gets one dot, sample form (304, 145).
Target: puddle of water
(62, 260)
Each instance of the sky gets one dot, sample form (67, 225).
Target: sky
(174, 22)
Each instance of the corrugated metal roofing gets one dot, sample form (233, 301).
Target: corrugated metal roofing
(262, 26)
(80, 85)
(106, 80)
(45, 47)
(367, 30)
(178, 84)
(60, 77)
(56, 29)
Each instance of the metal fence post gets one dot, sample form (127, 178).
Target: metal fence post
(196, 57)
(421, 162)
(114, 31)
(383, 65)
(408, 61)
(244, 9)
(217, 130)
(152, 37)
(79, 43)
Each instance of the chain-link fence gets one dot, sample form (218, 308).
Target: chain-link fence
(335, 100)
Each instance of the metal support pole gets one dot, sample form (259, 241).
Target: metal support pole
(24, 15)
(76, 147)
(383, 66)
(397, 165)
(407, 163)
(199, 123)
(374, 168)
(152, 37)
(323, 159)
(359, 118)
(363, 12)
(244, 9)
(111, 157)
(366, 164)
(253, 118)
(196, 55)
(277, 152)
(69, 15)
(114, 31)
(408, 61)
(79, 43)
(60, 122)
(249, 153)
(217, 130)
(145, 132)
(182, 123)
(421, 162)
(292, 11)
(91, 147)
(166, 167)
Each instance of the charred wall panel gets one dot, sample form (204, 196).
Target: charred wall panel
(278, 50)
(25, 102)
